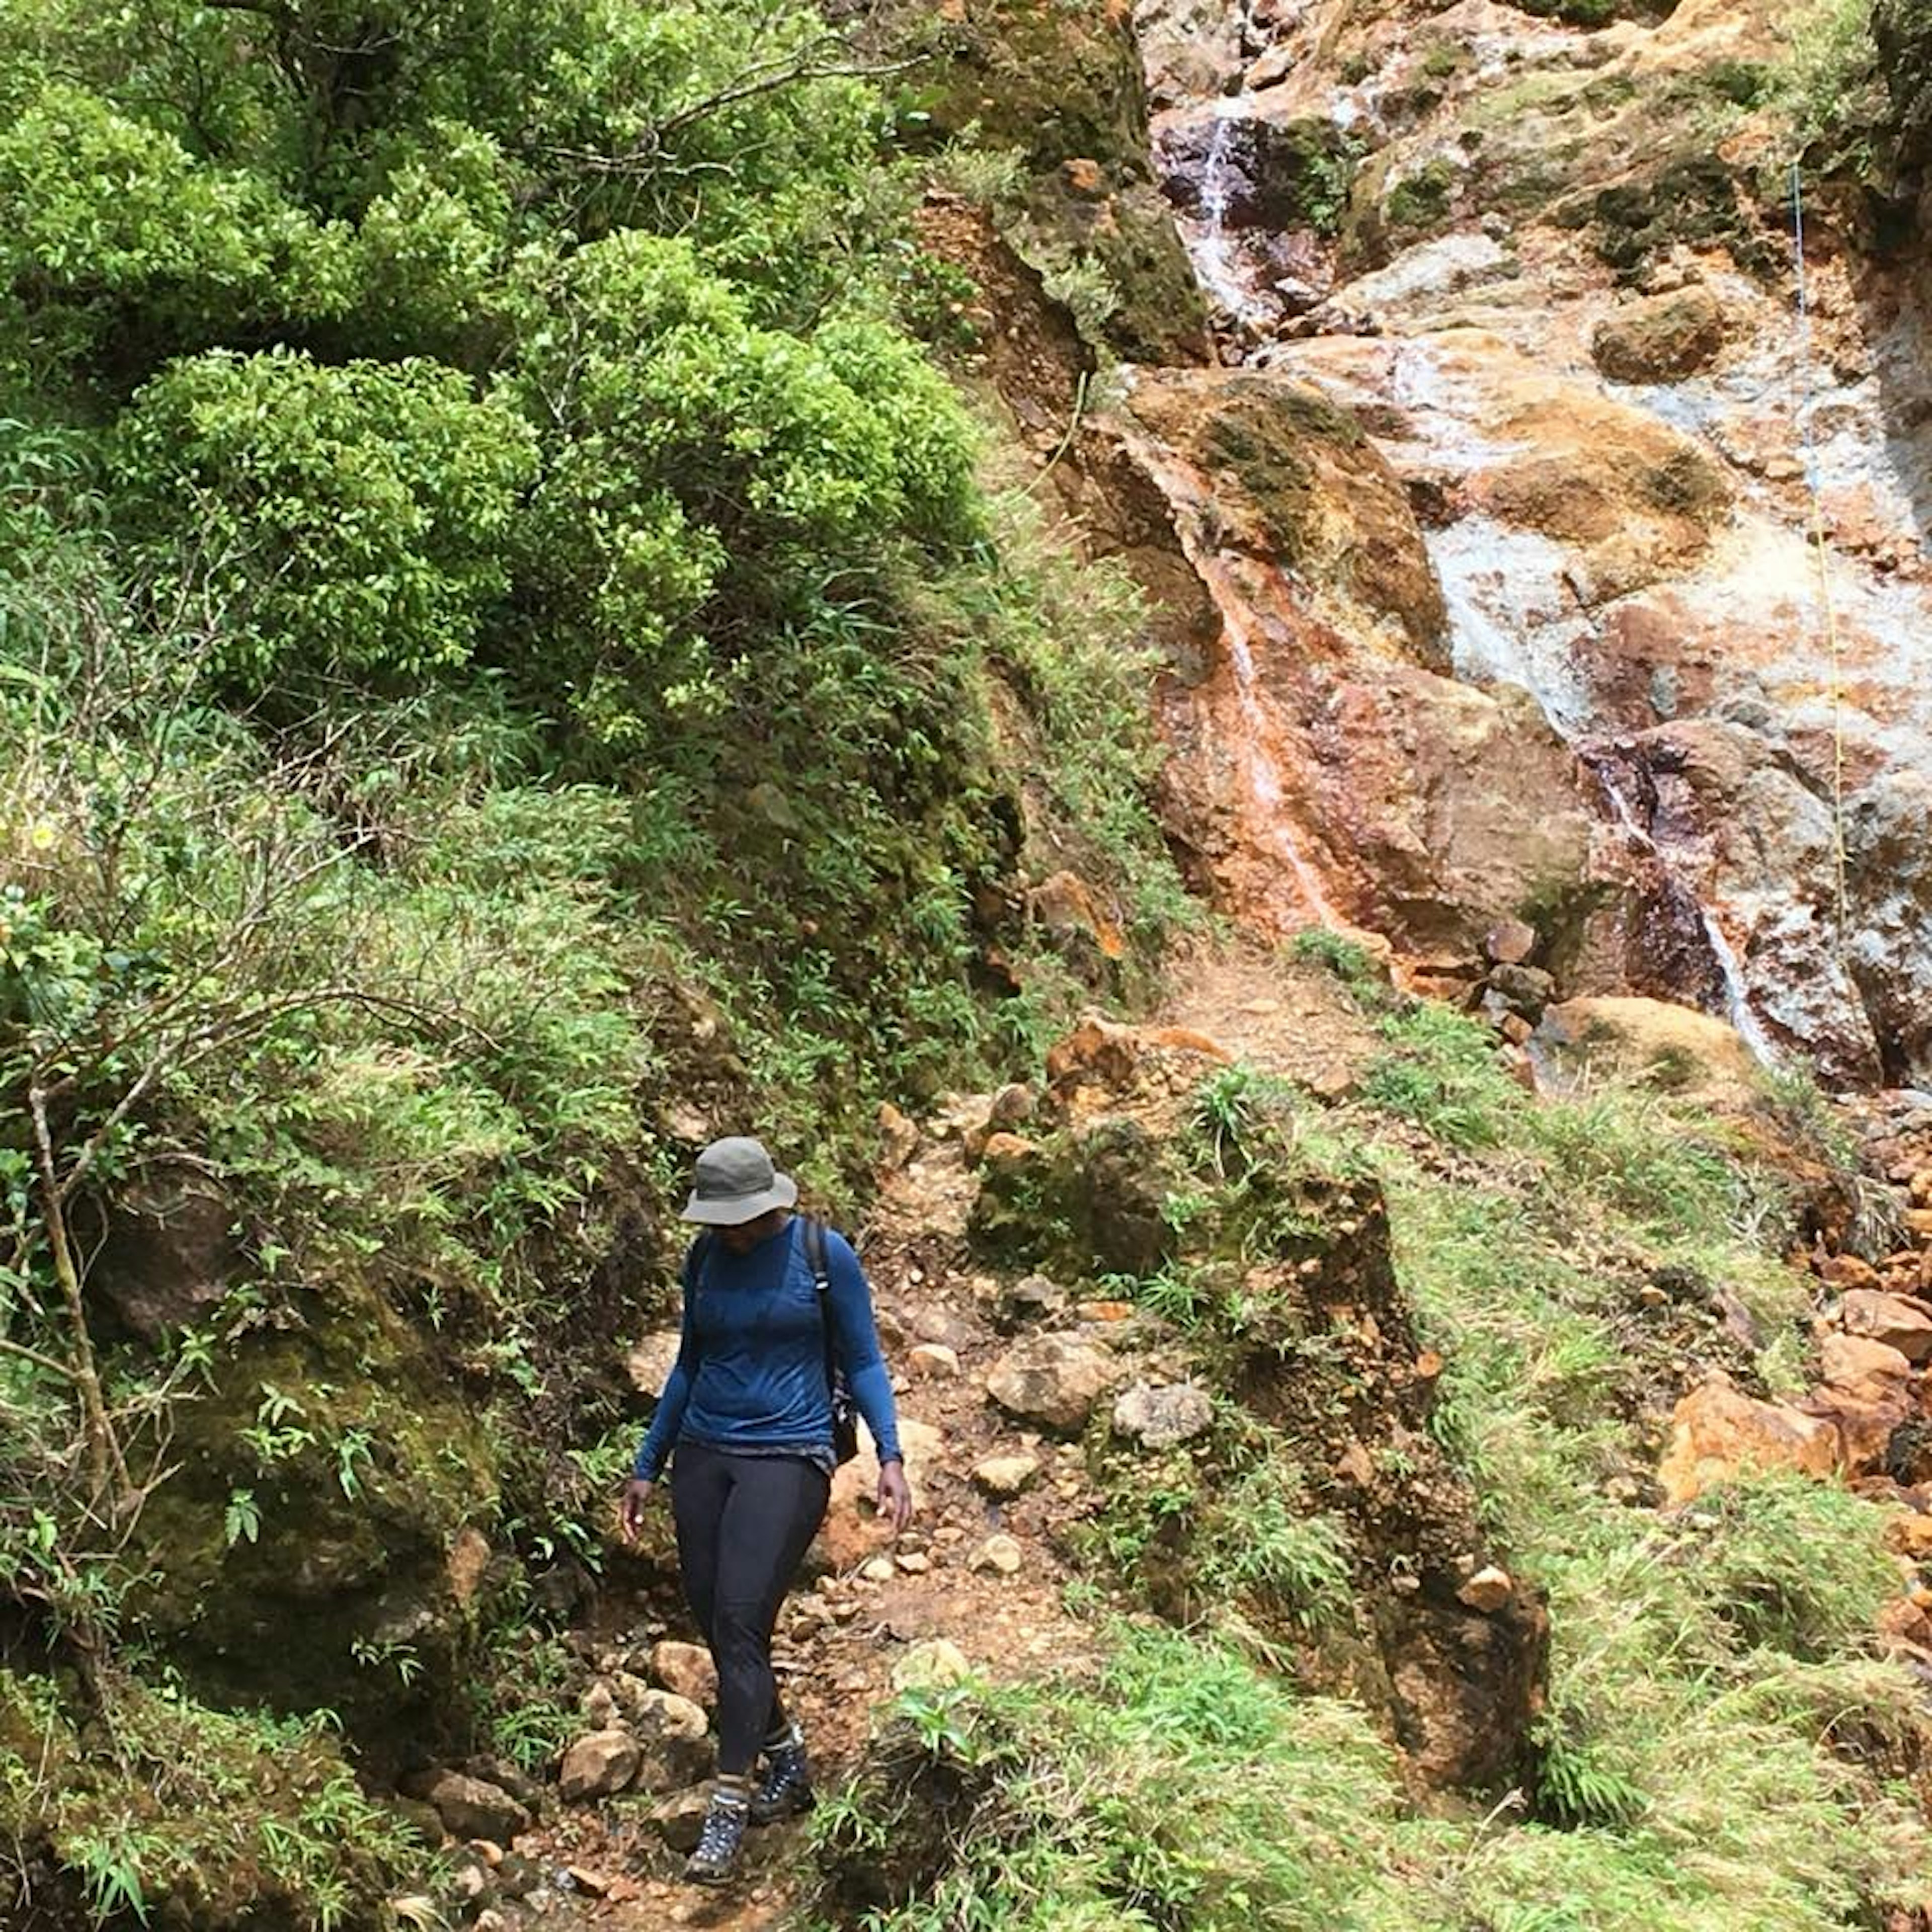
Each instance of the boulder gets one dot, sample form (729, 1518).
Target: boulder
(1673, 1047)
(276, 1622)
(471, 1808)
(1488, 1590)
(624, 1692)
(1032, 1298)
(1718, 1432)
(899, 1138)
(1510, 942)
(679, 1818)
(933, 1665)
(1860, 1365)
(1014, 1106)
(1843, 1272)
(1002, 1556)
(933, 1361)
(1006, 1150)
(849, 1532)
(1159, 1418)
(1865, 1419)
(170, 1253)
(1528, 989)
(529, 1791)
(1052, 1381)
(1900, 1322)
(598, 1765)
(686, 1670)
(1004, 1476)
(672, 1735)
(1660, 338)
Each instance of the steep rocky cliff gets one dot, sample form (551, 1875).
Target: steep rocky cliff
(1556, 532)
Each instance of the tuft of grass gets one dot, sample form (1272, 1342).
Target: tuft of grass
(1440, 1071)
(1349, 959)
(1185, 1787)
(1263, 1539)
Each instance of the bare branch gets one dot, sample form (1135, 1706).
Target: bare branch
(826, 58)
(39, 1361)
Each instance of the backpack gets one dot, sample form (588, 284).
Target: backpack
(845, 1410)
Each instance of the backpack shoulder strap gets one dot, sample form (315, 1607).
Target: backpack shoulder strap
(821, 1279)
(694, 1258)
(814, 1254)
(691, 1274)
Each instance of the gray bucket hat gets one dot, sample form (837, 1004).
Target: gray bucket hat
(735, 1182)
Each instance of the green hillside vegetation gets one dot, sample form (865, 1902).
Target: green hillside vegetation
(505, 666)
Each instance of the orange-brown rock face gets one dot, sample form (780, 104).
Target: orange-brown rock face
(1330, 769)
(1523, 401)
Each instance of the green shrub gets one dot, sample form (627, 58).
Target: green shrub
(118, 241)
(705, 478)
(431, 247)
(1829, 86)
(330, 521)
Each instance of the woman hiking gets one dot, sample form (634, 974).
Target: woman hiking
(772, 1304)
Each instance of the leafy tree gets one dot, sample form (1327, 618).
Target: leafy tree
(706, 479)
(118, 246)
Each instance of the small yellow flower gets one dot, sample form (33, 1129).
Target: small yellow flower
(41, 837)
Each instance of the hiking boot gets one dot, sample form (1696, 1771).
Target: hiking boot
(716, 1860)
(785, 1788)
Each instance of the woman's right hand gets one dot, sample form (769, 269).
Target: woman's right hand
(631, 1511)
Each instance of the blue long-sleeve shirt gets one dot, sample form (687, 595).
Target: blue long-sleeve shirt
(750, 1372)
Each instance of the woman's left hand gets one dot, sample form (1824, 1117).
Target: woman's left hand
(895, 1496)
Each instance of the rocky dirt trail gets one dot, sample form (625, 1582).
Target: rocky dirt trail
(999, 1373)
(976, 1583)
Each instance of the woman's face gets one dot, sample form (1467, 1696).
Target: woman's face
(747, 1234)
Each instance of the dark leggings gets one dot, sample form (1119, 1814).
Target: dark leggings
(743, 1526)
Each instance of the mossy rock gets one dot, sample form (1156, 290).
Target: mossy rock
(1273, 175)
(1663, 339)
(1126, 238)
(1060, 83)
(1692, 197)
(1051, 78)
(1420, 204)
(330, 1587)
(1296, 481)
(1078, 1205)
(1391, 207)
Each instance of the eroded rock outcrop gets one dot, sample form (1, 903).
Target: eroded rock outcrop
(1559, 315)
(1421, 1620)
(1329, 767)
